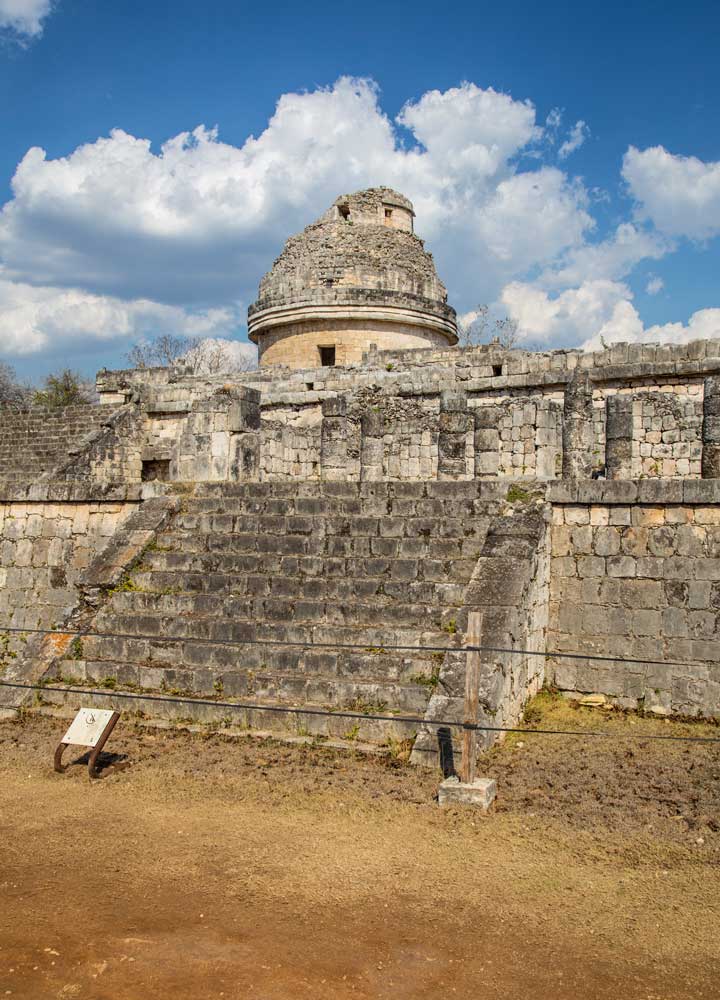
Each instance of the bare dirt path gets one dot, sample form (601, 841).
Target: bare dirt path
(214, 868)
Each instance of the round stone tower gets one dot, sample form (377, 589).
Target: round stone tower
(358, 276)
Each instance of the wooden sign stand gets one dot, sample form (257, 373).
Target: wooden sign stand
(472, 690)
(466, 789)
(91, 727)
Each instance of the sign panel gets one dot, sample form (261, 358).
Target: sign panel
(88, 726)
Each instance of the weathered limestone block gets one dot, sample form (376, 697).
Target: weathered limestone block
(84, 549)
(481, 793)
(243, 424)
(220, 439)
(244, 456)
(619, 436)
(244, 411)
(487, 441)
(128, 541)
(711, 429)
(372, 454)
(577, 427)
(334, 456)
(455, 423)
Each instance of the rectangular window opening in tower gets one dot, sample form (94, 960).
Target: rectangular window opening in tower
(344, 211)
(327, 356)
(388, 216)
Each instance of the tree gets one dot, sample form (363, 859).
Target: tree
(13, 395)
(481, 329)
(163, 352)
(67, 388)
(198, 357)
(213, 356)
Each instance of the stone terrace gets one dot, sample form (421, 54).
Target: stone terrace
(309, 583)
(34, 442)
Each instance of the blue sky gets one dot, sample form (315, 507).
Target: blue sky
(516, 139)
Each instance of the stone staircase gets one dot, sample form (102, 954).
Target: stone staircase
(35, 441)
(295, 594)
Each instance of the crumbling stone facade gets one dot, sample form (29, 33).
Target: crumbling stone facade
(314, 536)
(358, 276)
(313, 520)
(46, 544)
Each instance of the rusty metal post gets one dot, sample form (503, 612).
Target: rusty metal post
(94, 752)
(93, 759)
(472, 689)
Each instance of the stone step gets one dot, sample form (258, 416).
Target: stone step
(149, 625)
(281, 609)
(34, 442)
(407, 565)
(397, 536)
(363, 525)
(321, 506)
(299, 720)
(379, 695)
(441, 622)
(337, 584)
(352, 664)
(300, 594)
(432, 489)
(455, 547)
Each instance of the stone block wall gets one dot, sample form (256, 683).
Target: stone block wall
(635, 571)
(298, 344)
(530, 437)
(509, 587)
(409, 441)
(290, 442)
(45, 544)
(636, 412)
(634, 564)
(174, 434)
(667, 432)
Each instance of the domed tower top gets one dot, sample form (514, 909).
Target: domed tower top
(376, 206)
(357, 276)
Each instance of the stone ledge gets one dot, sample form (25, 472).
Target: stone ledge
(631, 491)
(72, 492)
(128, 542)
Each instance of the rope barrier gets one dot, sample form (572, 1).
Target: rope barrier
(366, 646)
(344, 714)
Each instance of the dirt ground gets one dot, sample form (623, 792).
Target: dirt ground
(202, 867)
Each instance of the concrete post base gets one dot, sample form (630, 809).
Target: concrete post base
(481, 792)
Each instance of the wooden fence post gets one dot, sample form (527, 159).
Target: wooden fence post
(472, 689)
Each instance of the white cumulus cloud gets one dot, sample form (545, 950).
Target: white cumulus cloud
(196, 222)
(654, 285)
(595, 313)
(120, 239)
(680, 194)
(567, 318)
(577, 136)
(24, 18)
(611, 258)
(35, 318)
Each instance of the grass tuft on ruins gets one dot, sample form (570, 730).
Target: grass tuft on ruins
(314, 534)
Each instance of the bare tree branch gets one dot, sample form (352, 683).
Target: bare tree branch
(481, 329)
(163, 352)
(13, 395)
(197, 357)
